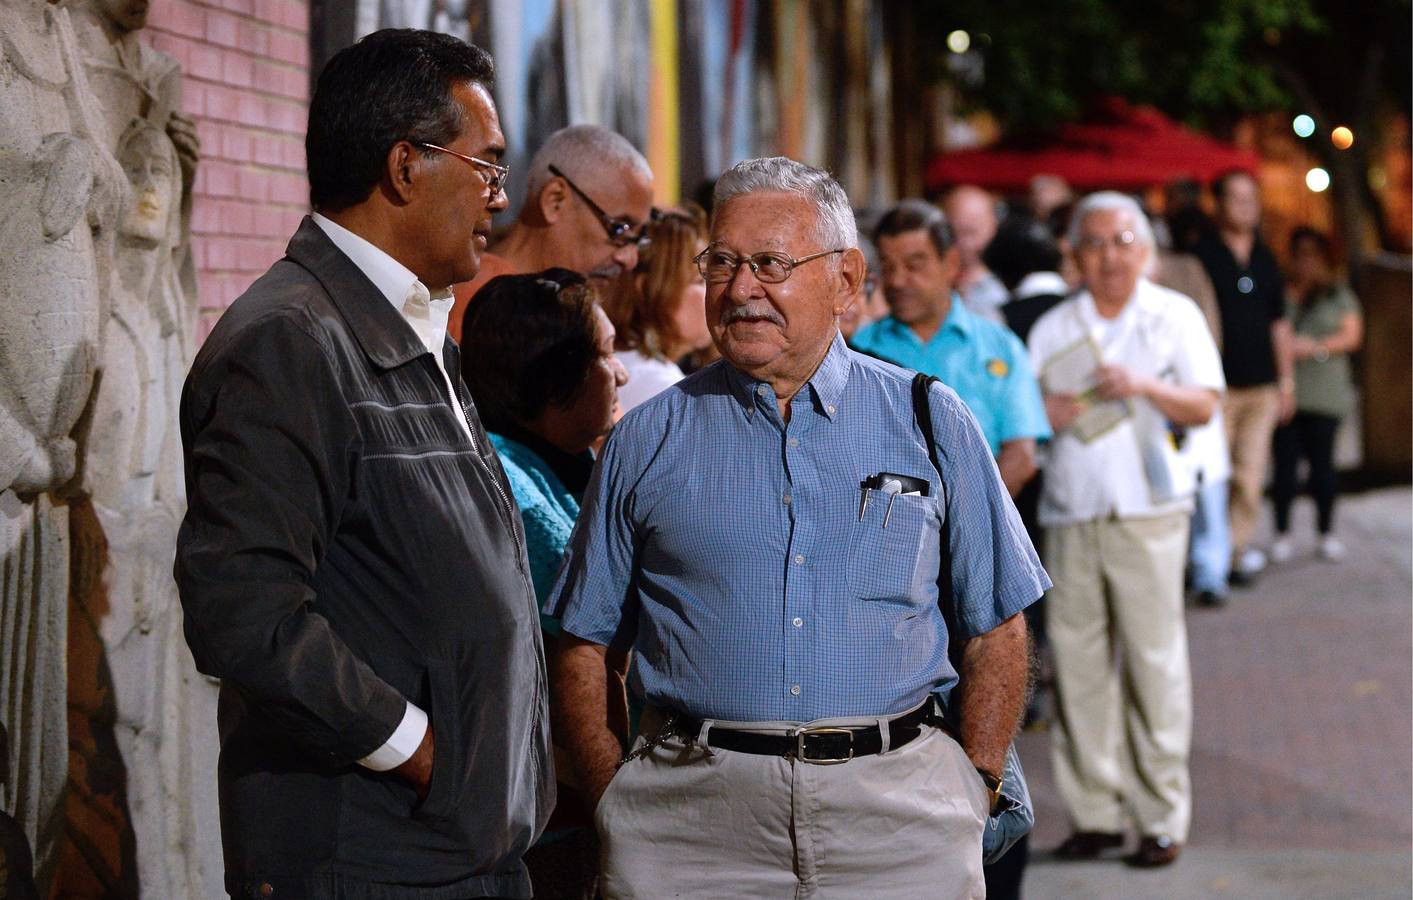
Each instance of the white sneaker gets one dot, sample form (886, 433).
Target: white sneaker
(1252, 561)
(1282, 550)
(1332, 548)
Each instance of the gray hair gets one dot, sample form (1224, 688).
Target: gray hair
(834, 227)
(1113, 201)
(573, 147)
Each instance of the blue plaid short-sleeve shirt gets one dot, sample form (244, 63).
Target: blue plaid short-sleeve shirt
(732, 552)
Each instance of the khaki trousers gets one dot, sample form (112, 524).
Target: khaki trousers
(685, 821)
(1251, 415)
(1125, 729)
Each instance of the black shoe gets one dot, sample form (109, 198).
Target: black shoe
(1088, 845)
(1211, 600)
(1241, 579)
(1154, 852)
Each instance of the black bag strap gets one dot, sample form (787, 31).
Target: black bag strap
(946, 599)
(922, 414)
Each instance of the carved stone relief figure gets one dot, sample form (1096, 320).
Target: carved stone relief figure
(160, 705)
(57, 186)
(143, 812)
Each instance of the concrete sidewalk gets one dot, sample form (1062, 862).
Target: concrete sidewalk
(1303, 737)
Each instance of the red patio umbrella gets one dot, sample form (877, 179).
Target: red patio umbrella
(1123, 147)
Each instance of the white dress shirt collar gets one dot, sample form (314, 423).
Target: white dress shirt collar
(425, 311)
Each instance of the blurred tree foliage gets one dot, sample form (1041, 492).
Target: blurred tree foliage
(1034, 65)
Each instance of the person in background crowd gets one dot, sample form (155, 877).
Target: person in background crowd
(724, 540)
(1184, 222)
(1048, 193)
(350, 565)
(538, 361)
(587, 202)
(1116, 541)
(871, 304)
(971, 215)
(1027, 260)
(1209, 551)
(1059, 224)
(928, 330)
(659, 308)
(1328, 328)
(1256, 354)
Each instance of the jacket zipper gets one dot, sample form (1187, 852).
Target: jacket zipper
(495, 483)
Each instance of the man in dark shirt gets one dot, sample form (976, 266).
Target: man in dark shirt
(1256, 352)
(351, 566)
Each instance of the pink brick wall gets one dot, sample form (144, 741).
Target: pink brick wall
(247, 87)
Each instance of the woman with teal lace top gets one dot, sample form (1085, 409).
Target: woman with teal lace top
(537, 357)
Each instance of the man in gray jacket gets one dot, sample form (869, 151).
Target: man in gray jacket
(352, 566)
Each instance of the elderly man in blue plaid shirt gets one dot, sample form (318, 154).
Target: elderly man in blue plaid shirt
(766, 536)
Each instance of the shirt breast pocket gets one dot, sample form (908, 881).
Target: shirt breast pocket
(893, 555)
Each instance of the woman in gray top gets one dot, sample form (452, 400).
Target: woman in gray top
(1328, 328)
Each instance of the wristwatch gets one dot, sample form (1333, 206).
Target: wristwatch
(1322, 352)
(993, 788)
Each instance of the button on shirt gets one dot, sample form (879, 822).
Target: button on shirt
(985, 363)
(1158, 333)
(744, 607)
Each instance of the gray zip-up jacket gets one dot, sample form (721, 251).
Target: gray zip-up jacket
(346, 549)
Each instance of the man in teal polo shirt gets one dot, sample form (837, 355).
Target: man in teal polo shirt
(931, 331)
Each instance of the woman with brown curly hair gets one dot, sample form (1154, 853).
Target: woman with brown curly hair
(659, 308)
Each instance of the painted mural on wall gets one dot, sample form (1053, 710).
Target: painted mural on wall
(741, 78)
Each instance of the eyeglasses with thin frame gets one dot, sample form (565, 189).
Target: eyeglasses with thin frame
(620, 231)
(719, 265)
(495, 181)
(1091, 243)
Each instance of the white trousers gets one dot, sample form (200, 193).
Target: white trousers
(687, 821)
(1116, 628)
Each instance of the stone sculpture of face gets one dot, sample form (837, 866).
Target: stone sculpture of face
(148, 158)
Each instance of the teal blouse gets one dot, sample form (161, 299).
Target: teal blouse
(549, 511)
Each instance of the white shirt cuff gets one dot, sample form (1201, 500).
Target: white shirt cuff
(403, 743)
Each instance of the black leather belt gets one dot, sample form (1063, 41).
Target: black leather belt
(820, 745)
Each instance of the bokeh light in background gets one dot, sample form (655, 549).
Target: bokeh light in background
(959, 41)
(1342, 138)
(1304, 125)
(1317, 179)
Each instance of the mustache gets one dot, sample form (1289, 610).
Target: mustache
(759, 310)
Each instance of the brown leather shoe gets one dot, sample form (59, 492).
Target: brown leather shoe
(1088, 845)
(1154, 852)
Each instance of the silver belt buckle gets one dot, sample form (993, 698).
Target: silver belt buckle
(822, 761)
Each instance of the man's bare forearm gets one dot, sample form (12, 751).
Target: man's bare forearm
(589, 717)
(1017, 464)
(995, 667)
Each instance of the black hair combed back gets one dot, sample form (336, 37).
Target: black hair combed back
(393, 85)
(528, 342)
(915, 215)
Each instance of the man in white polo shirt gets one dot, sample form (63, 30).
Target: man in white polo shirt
(1125, 365)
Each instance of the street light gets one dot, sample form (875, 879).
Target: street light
(959, 41)
(1342, 138)
(1317, 179)
(1304, 125)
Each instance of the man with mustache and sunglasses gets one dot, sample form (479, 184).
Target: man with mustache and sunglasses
(768, 536)
(588, 200)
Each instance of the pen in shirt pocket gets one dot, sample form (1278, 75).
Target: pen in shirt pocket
(892, 485)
